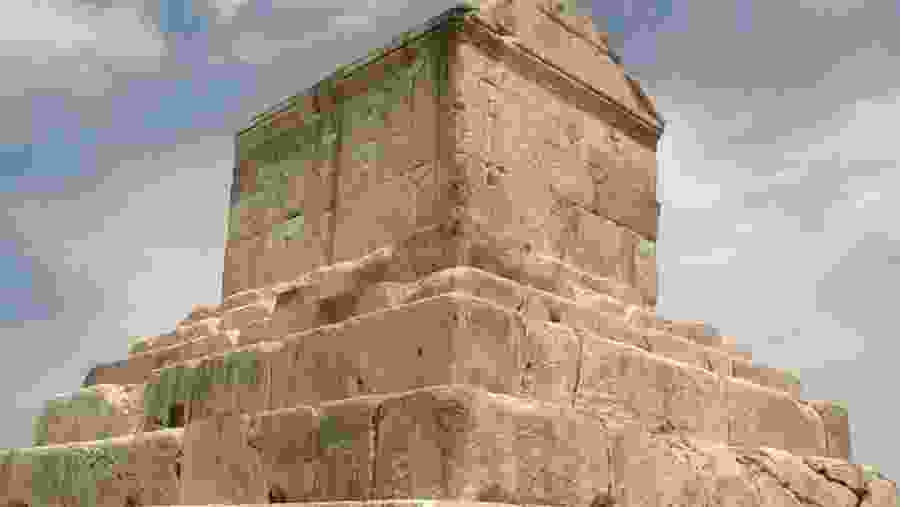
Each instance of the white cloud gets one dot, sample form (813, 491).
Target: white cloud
(228, 8)
(716, 257)
(680, 149)
(47, 44)
(832, 7)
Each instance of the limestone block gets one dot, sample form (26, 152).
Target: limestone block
(460, 442)
(688, 352)
(881, 493)
(623, 381)
(767, 376)
(759, 416)
(218, 464)
(318, 454)
(100, 411)
(837, 428)
(140, 469)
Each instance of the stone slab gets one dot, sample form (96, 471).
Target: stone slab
(126, 415)
(147, 473)
(837, 428)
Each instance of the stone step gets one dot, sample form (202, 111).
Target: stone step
(139, 469)
(95, 412)
(444, 443)
(423, 253)
(404, 444)
(458, 338)
(598, 313)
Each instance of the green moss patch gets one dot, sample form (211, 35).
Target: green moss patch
(181, 384)
(67, 471)
(86, 402)
(291, 229)
(839, 409)
(647, 248)
(330, 436)
(792, 377)
(568, 7)
(277, 150)
(871, 473)
(136, 345)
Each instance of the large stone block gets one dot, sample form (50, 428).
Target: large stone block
(460, 442)
(451, 338)
(513, 146)
(318, 454)
(837, 427)
(101, 411)
(141, 469)
(218, 465)
(759, 416)
(628, 382)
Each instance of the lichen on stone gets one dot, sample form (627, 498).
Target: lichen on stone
(181, 384)
(839, 409)
(136, 345)
(647, 248)
(67, 471)
(330, 437)
(279, 151)
(86, 402)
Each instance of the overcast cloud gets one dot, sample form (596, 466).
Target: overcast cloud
(778, 172)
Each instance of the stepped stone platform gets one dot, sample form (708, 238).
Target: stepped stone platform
(446, 298)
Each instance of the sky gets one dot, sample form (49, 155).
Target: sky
(778, 173)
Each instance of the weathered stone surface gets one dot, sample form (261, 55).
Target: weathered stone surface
(837, 428)
(688, 352)
(315, 454)
(446, 339)
(458, 442)
(218, 465)
(880, 493)
(760, 416)
(799, 479)
(628, 382)
(144, 471)
(122, 413)
(767, 376)
(838, 470)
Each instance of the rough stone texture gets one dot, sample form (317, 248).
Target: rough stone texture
(148, 476)
(759, 416)
(126, 404)
(837, 428)
(565, 180)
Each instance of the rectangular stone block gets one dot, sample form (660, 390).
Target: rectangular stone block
(759, 416)
(566, 43)
(622, 381)
(293, 247)
(767, 376)
(134, 371)
(318, 454)
(688, 352)
(139, 470)
(507, 146)
(94, 413)
(460, 442)
(219, 467)
(446, 339)
(837, 428)
(241, 258)
(246, 384)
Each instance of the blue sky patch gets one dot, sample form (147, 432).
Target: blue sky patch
(177, 16)
(16, 294)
